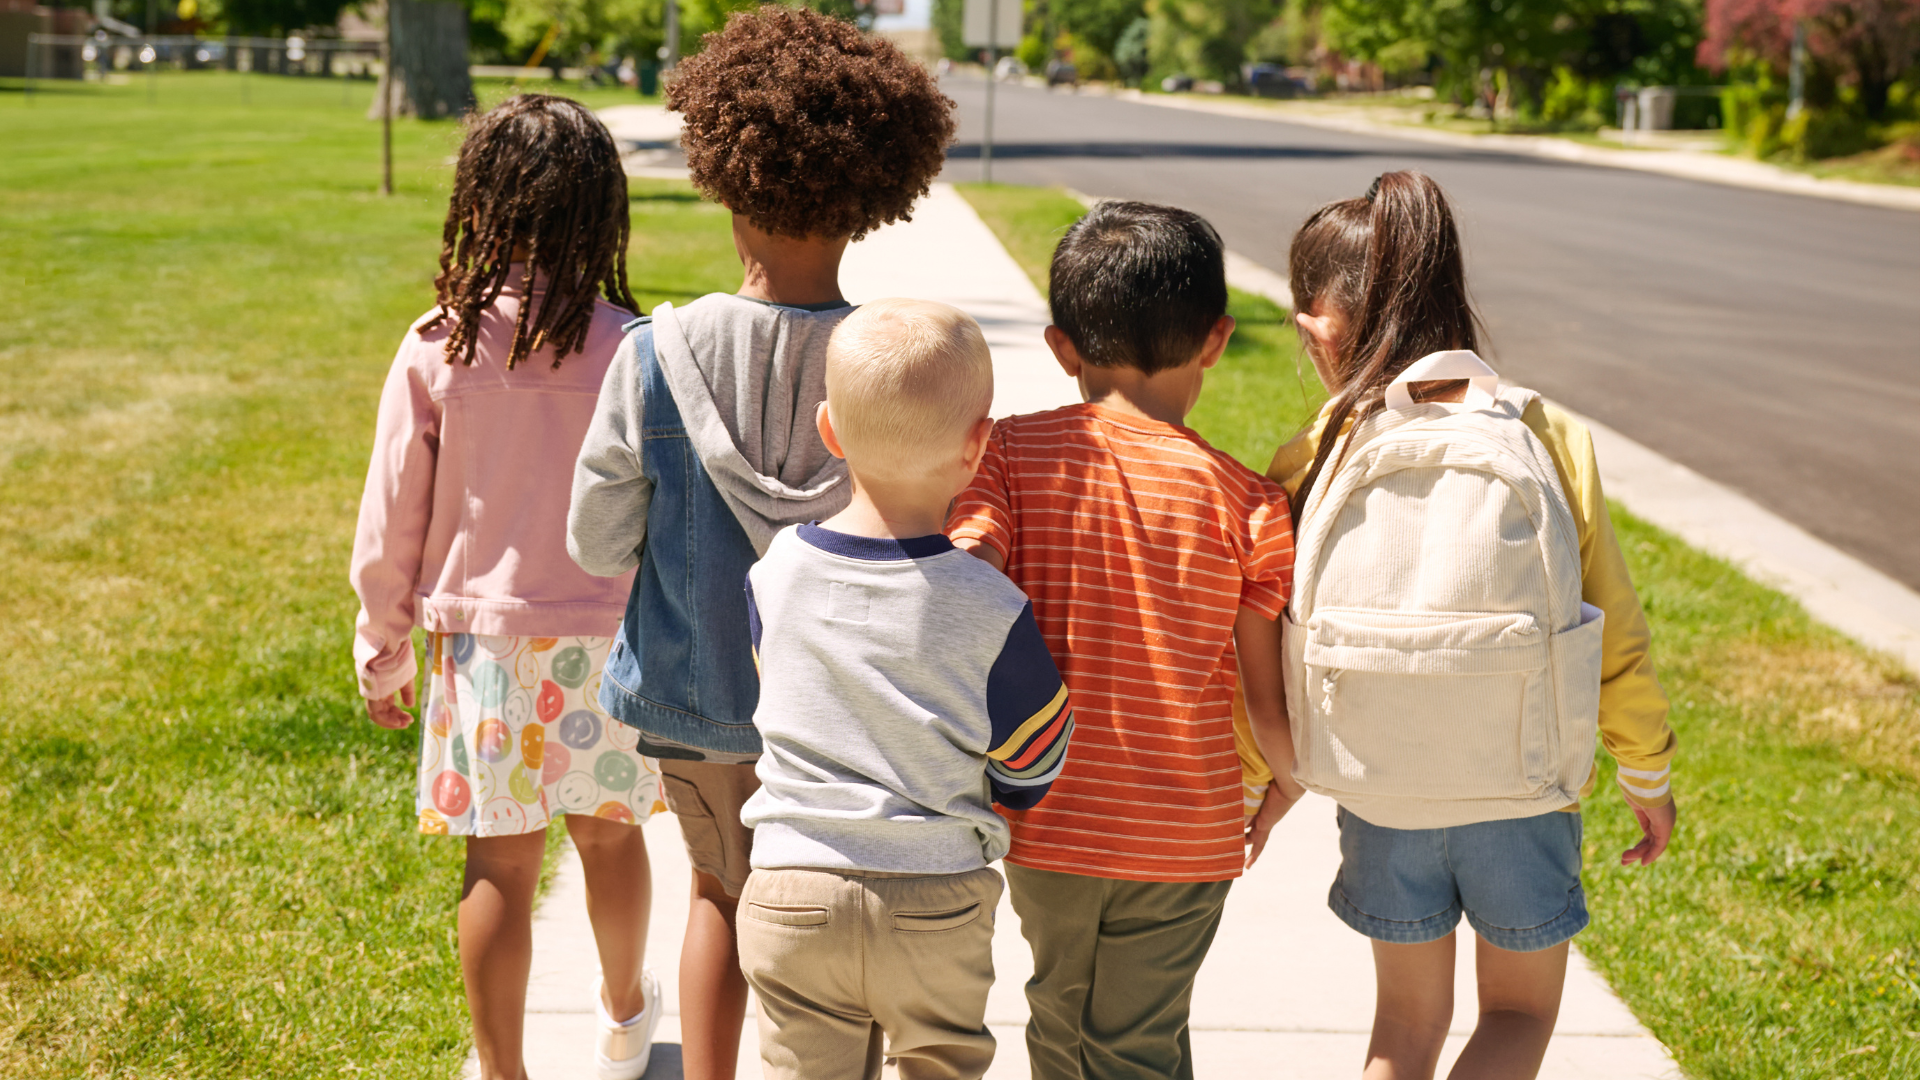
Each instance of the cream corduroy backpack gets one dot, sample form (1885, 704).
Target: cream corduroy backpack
(1441, 667)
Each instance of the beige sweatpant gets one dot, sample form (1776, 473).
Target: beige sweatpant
(838, 959)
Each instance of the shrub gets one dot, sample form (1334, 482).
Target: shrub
(1573, 102)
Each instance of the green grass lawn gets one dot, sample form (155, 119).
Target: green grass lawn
(1780, 936)
(211, 867)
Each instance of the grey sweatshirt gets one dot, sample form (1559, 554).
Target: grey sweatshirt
(904, 689)
(746, 377)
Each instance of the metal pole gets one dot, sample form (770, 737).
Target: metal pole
(993, 62)
(153, 69)
(386, 106)
(32, 56)
(1797, 72)
(672, 58)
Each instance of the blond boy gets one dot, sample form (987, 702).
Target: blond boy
(905, 689)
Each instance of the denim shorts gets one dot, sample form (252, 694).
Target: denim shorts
(1517, 881)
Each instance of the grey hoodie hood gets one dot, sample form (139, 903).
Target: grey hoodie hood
(747, 378)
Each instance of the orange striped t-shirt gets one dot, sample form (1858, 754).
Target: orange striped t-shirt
(1138, 543)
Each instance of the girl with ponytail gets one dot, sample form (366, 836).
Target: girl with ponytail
(1381, 303)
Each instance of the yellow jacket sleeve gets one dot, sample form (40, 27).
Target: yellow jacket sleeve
(1633, 707)
(1255, 773)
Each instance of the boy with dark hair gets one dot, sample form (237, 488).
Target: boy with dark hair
(704, 446)
(1157, 567)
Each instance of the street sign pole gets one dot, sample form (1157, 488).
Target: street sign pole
(982, 24)
(993, 61)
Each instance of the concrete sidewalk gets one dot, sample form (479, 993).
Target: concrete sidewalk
(1287, 991)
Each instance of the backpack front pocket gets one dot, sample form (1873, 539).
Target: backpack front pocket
(1430, 705)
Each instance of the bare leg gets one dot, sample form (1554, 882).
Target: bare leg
(1413, 1006)
(1519, 1001)
(496, 945)
(713, 993)
(619, 903)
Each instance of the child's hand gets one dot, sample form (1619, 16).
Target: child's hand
(384, 712)
(1272, 809)
(1656, 828)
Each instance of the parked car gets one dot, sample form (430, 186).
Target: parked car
(1062, 73)
(1176, 84)
(1008, 68)
(1272, 81)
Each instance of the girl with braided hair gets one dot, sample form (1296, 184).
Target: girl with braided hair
(462, 533)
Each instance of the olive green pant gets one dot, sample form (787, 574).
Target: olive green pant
(1113, 969)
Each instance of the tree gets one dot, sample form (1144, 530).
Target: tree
(426, 72)
(583, 30)
(1870, 43)
(1098, 23)
(949, 22)
(1484, 46)
(1206, 38)
(276, 17)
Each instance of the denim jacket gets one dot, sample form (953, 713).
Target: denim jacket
(681, 671)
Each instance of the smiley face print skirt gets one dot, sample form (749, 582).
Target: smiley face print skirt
(513, 735)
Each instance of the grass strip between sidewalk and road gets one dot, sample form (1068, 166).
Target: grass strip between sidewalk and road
(1780, 936)
(212, 865)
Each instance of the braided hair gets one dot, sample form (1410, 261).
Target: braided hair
(541, 173)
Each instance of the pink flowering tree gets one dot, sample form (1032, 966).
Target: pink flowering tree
(1872, 43)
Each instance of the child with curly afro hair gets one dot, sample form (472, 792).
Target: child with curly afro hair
(807, 128)
(704, 443)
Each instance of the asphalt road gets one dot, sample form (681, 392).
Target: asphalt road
(1770, 342)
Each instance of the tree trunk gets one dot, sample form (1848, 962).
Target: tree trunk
(427, 74)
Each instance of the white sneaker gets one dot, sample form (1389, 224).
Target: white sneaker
(622, 1049)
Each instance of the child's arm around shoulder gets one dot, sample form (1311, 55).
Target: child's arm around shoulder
(607, 517)
(1031, 717)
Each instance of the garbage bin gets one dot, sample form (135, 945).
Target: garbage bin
(1656, 108)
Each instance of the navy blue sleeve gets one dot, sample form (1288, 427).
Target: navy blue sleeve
(1031, 714)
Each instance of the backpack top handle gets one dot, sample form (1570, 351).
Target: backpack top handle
(1482, 381)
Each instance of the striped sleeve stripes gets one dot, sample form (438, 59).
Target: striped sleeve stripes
(1645, 786)
(1034, 763)
(1031, 715)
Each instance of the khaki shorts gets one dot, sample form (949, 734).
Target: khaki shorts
(707, 799)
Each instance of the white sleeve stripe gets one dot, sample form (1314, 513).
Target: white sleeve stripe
(1642, 774)
(1646, 793)
(1042, 780)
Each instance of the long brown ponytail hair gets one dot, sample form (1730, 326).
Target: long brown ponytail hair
(1390, 262)
(541, 172)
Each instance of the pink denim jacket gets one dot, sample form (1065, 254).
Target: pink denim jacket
(463, 525)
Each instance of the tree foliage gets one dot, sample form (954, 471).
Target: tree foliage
(267, 18)
(1474, 47)
(1206, 38)
(1868, 43)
